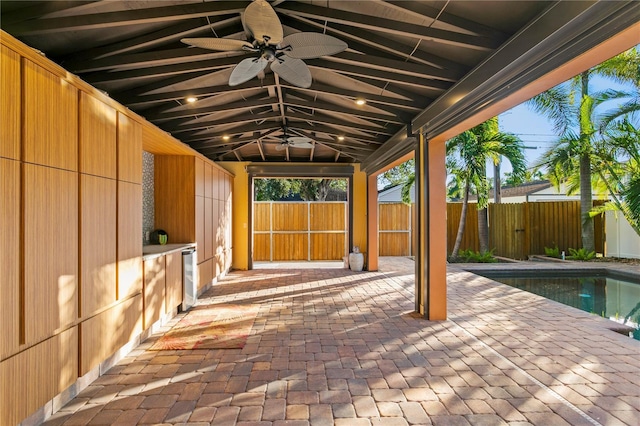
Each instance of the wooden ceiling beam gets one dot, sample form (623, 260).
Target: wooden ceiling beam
(126, 17)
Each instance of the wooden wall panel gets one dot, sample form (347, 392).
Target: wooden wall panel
(36, 375)
(158, 142)
(129, 247)
(209, 234)
(97, 243)
(393, 216)
(174, 194)
(261, 247)
(470, 235)
(290, 217)
(216, 175)
(218, 264)
(10, 103)
(50, 249)
(290, 247)
(393, 244)
(208, 180)
(507, 235)
(154, 290)
(261, 216)
(200, 177)
(50, 119)
(227, 186)
(328, 246)
(10, 255)
(228, 259)
(98, 133)
(226, 221)
(129, 149)
(221, 178)
(173, 267)
(200, 228)
(205, 273)
(102, 335)
(217, 230)
(328, 216)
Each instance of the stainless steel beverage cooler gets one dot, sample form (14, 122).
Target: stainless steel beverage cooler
(189, 278)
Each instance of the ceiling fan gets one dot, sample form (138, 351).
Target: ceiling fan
(293, 141)
(266, 38)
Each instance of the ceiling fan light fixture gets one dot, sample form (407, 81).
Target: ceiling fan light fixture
(285, 54)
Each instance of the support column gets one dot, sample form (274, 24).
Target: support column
(431, 206)
(372, 223)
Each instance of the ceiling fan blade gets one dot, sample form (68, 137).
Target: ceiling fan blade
(312, 45)
(261, 21)
(298, 140)
(292, 70)
(221, 44)
(303, 145)
(246, 70)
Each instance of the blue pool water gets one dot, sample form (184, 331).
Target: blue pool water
(614, 298)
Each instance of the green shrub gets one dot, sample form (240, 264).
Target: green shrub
(552, 252)
(581, 254)
(472, 256)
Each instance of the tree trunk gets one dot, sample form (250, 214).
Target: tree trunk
(586, 203)
(323, 189)
(586, 199)
(462, 223)
(483, 230)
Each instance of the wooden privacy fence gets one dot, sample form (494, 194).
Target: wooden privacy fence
(299, 230)
(396, 222)
(515, 230)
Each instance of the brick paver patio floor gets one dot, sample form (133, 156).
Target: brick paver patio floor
(335, 347)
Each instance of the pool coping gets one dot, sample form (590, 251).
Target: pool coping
(564, 268)
(618, 269)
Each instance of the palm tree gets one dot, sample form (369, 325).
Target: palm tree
(468, 154)
(571, 106)
(617, 163)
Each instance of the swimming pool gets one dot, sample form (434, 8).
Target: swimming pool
(613, 297)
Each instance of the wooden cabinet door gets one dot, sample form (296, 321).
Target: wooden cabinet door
(209, 233)
(173, 262)
(129, 149)
(10, 103)
(50, 250)
(10, 255)
(154, 290)
(97, 137)
(50, 119)
(129, 239)
(97, 243)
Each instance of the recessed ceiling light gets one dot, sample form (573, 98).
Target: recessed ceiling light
(360, 102)
(340, 138)
(191, 99)
(225, 138)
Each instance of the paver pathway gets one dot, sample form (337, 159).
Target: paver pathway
(334, 347)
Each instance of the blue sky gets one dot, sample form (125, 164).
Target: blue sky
(535, 130)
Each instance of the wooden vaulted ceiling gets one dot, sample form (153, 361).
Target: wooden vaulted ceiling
(417, 64)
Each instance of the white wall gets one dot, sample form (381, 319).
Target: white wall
(622, 240)
(394, 195)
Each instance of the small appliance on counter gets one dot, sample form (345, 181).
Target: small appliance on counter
(159, 236)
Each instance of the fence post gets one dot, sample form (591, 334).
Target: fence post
(527, 231)
(308, 231)
(270, 231)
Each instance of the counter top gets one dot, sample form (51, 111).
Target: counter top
(155, 250)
